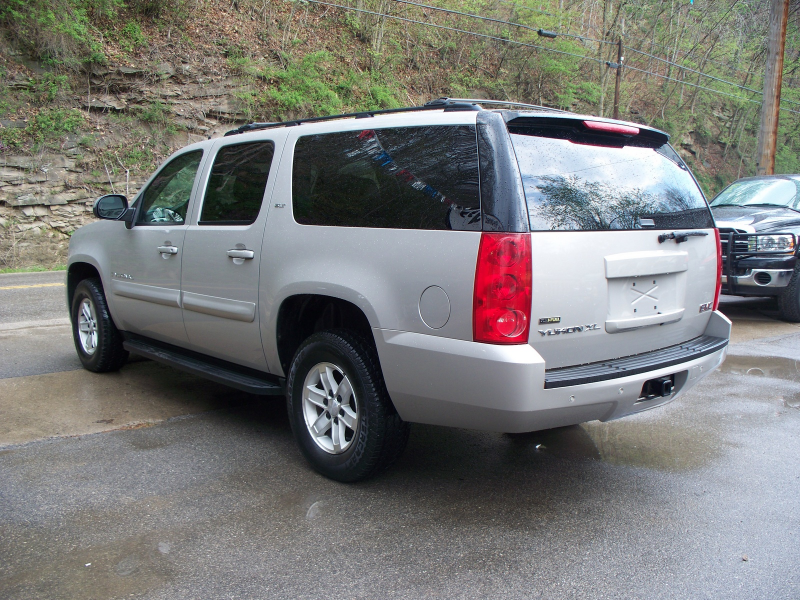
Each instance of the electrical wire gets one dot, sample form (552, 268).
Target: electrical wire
(632, 68)
(482, 18)
(536, 30)
(545, 48)
(690, 70)
(474, 33)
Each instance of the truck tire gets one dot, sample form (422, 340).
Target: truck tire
(789, 299)
(97, 339)
(341, 415)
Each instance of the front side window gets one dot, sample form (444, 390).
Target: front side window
(579, 185)
(166, 199)
(237, 183)
(401, 178)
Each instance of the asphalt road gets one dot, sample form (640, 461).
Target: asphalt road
(151, 484)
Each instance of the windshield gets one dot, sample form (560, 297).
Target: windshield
(774, 192)
(570, 185)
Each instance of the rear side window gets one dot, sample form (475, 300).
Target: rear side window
(237, 183)
(572, 185)
(402, 178)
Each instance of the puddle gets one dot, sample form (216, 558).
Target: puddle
(123, 569)
(655, 445)
(760, 366)
(785, 369)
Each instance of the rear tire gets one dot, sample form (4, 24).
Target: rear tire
(789, 299)
(341, 415)
(97, 339)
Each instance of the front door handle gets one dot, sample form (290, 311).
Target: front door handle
(167, 249)
(239, 253)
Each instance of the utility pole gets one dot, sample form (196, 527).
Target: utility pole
(773, 77)
(620, 58)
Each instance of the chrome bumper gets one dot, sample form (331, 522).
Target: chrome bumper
(761, 278)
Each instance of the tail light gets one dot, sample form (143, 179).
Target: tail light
(502, 300)
(719, 270)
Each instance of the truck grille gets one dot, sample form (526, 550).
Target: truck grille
(740, 245)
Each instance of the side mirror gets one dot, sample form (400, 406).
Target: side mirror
(128, 216)
(110, 206)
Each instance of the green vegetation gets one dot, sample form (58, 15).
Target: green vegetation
(296, 59)
(33, 269)
(46, 126)
(131, 37)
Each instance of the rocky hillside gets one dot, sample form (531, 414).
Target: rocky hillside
(93, 101)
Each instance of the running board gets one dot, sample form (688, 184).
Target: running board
(197, 365)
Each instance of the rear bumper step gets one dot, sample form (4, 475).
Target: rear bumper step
(633, 365)
(207, 368)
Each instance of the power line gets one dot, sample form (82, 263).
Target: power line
(482, 18)
(539, 30)
(481, 35)
(701, 73)
(632, 68)
(545, 48)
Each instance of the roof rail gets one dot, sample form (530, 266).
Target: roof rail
(446, 103)
(440, 101)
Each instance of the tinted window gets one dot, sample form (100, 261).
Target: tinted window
(167, 197)
(237, 183)
(403, 178)
(575, 185)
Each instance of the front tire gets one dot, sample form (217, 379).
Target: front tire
(789, 299)
(97, 339)
(339, 409)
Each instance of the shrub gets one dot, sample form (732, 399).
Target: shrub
(57, 31)
(131, 37)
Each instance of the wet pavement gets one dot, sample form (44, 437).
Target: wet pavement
(151, 484)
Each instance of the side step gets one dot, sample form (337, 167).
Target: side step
(197, 365)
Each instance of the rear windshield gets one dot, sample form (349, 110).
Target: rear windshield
(572, 185)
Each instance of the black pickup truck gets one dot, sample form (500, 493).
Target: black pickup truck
(759, 223)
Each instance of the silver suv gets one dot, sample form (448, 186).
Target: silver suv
(502, 269)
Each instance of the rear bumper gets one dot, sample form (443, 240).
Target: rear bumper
(457, 383)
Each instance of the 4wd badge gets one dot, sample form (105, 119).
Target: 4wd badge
(549, 320)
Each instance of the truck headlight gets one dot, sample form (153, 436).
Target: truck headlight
(771, 243)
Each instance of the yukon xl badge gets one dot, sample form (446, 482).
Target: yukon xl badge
(573, 329)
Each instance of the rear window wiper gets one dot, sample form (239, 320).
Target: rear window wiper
(680, 236)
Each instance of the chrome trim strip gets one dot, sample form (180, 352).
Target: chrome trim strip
(617, 325)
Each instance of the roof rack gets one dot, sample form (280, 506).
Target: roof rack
(474, 101)
(448, 104)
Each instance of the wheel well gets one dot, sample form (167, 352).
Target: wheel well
(303, 315)
(77, 273)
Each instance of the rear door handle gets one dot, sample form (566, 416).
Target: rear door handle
(237, 253)
(167, 249)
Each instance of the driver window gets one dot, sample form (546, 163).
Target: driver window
(166, 199)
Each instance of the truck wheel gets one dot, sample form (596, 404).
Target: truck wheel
(789, 299)
(97, 339)
(339, 409)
